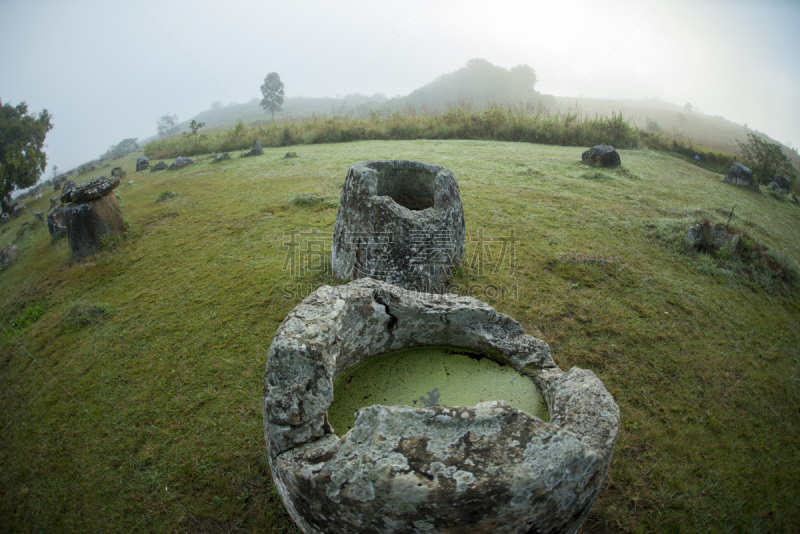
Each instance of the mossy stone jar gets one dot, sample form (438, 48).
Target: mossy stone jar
(483, 468)
(399, 221)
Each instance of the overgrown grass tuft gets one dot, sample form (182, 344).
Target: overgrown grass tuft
(165, 195)
(83, 313)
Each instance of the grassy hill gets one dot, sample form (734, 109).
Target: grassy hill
(131, 383)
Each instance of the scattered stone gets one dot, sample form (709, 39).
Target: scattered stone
(8, 255)
(4, 218)
(53, 202)
(91, 190)
(290, 155)
(18, 209)
(432, 469)
(57, 221)
(160, 166)
(741, 176)
(399, 221)
(69, 184)
(142, 163)
(602, 155)
(221, 157)
(709, 237)
(56, 186)
(180, 162)
(117, 172)
(256, 150)
(39, 216)
(776, 187)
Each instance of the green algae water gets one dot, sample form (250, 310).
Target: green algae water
(430, 376)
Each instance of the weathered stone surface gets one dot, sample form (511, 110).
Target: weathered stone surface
(221, 157)
(707, 237)
(4, 218)
(602, 155)
(741, 176)
(484, 468)
(256, 150)
(39, 216)
(142, 163)
(68, 185)
(91, 190)
(775, 186)
(783, 182)
(53, 202)
(117, 172)
(8, 255)
(89, 222)
(399, 221)
(57, 221)
(18, 209)
(160, 166)
(180, 162)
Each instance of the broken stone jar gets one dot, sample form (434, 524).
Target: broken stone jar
(401, 222)
(483, 468)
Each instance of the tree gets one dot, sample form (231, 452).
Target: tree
(272, 89)
(167, 125)
(22, 160)
(195, 127)
(765, 159)
(126, 146)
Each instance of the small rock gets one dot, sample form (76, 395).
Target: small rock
(4, 218)
(783, 182)
(160, 166)
(117, 172)
(740, 175)
(39, 216)
(602, 155)
(290, 155)
(180, 162)
(256, 150)
(9, 254)
(53, 202)
(221, 157)
(57, 221)
(142, 163)
(18, 209)
(69, 184)
(775, 186)
(707, 237)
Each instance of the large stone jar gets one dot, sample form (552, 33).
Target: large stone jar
(401, 222)
(483, 468)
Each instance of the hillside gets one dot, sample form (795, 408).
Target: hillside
(131, 383)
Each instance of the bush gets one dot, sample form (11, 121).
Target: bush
(765, 159)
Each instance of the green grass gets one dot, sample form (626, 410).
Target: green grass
(146, 415)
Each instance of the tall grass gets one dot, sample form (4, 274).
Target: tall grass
(463, 121)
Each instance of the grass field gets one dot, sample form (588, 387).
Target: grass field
(131, 383)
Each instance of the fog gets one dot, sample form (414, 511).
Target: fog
(108, 70)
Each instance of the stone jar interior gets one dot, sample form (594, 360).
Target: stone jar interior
(482, 468)
(399, 221)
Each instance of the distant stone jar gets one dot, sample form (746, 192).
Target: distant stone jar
(93, 215)
(740, 176)
(399, 221)
(602, 155)
(482, 468)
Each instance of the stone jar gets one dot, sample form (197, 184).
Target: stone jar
(401, 222)
(484, 468)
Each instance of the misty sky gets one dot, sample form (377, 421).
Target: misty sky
(107, 70)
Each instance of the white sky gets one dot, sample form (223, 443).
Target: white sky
(107, 69)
